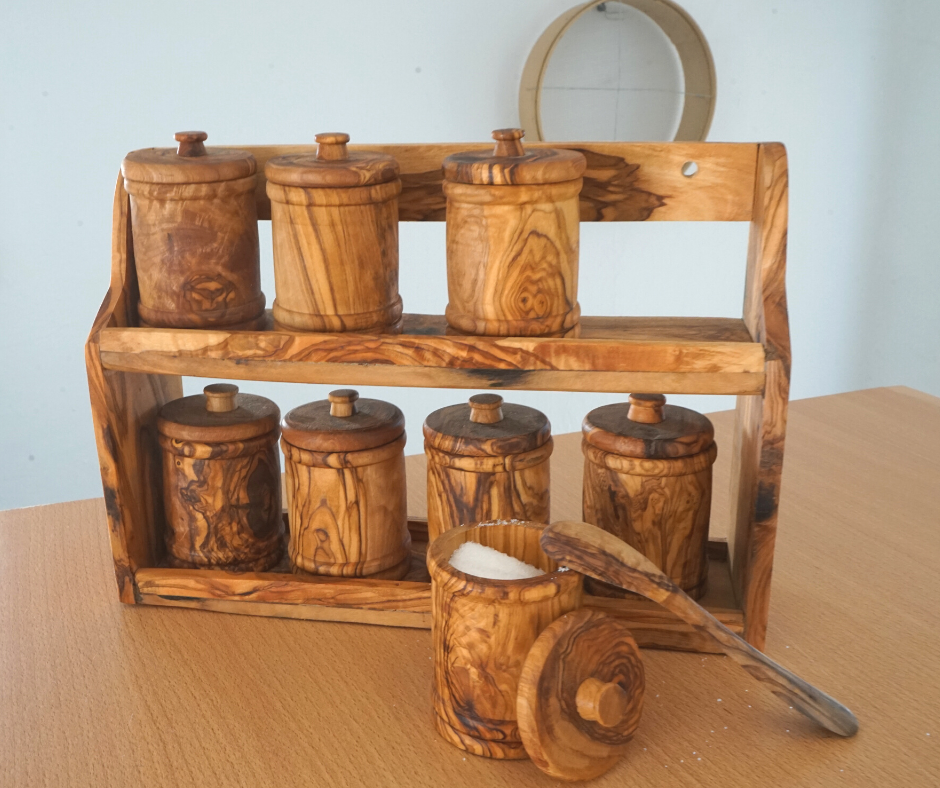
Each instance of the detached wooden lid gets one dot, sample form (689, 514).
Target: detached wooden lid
(487, 427)
(190, 162)
(648, 428)
(343, 422)
(580, 695)
(219, 414)
(510, 164)
(332, 166)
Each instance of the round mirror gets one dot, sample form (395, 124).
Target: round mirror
(619, 70)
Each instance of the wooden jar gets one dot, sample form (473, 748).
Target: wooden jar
(512, 239)
(195, 230)
(334, 218)
(482, 631)
(486, 461)
(346, 496)
(648, 480)
(519, 671)
(221, 480)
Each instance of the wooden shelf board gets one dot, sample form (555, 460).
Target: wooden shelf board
(407, 603)
(671, 355)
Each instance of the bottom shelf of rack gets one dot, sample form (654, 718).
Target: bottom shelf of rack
(407, 602)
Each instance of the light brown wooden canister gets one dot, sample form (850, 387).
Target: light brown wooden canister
(648, 481)
(346, 496)
(334, 218)
(512, 239)
(482, 631)
(221, 480)
(195, 231)
(487, 460)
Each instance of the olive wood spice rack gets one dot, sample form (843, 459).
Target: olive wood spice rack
(133, 371)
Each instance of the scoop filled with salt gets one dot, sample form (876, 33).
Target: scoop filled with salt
(479, 560)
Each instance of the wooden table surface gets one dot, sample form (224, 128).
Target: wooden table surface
(95, 693)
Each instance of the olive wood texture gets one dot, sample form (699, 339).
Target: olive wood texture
(580, 695)
(94, 691)
(623, 181)
(334, 219)
(512, 239)
(487, 460)
(195, 229)
(481, 633)
(133, 371)
(593, 551)
(346, 494)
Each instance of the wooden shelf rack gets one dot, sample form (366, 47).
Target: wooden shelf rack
(133, 371)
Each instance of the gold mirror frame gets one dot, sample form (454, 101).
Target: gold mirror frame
(698, 68)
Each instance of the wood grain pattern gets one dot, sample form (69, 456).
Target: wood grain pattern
(659, 507)
(94, 693)
(580, 695)
(464, 490)
(335, 227)
(348, 511)
(762, 420)
(623, 181)
(222, 503)
(512, 258)
(196, 244)
(487, 460)
(124, 408)
(481, 634)
(593, 551)
(585, 364)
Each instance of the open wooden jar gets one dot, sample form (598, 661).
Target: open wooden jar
(512, 239)
(346, 496)
(334, 219)
(221, 480)
(487, 460)
(195, 229)
(519, 671)
(648, 481)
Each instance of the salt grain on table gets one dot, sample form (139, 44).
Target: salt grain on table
(481, 561)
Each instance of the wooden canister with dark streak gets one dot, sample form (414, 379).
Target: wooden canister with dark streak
(346, 490)
(221, 480)
(487, 460)
(195, 231)
(648, 481)
(513, 221)
(334, 219)
(482, 631)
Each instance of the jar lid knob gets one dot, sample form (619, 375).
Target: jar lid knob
(646, 408)
(602, 702)
(508, 142)
(331, 146)
(486, 408)
(220, 397)
(190, 143)
(343, 402)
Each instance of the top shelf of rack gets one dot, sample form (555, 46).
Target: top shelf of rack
(616, 354)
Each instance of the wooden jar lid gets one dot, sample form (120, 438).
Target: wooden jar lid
(580, 695)
(219, 414)
(332, 166)
(509, 164)
(648, 428)
(343, 422)
(190, 162)
(487, 427)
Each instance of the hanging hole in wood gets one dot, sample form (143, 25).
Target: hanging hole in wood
(689, 169)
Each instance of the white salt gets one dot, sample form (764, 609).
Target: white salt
(482, 561)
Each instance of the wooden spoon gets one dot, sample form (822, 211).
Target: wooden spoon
(595, 552)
